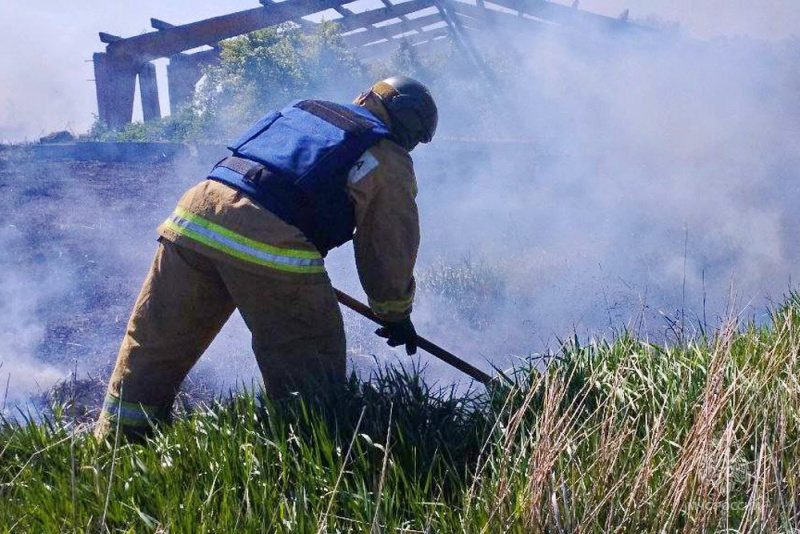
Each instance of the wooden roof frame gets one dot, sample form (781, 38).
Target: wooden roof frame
(126, 59)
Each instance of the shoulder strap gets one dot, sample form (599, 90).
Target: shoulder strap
(246, 167)
(336, 114)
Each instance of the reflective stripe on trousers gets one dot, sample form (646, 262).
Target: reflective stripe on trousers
(131, 413)
(212, 235)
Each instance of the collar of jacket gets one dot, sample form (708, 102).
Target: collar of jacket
(374, 105)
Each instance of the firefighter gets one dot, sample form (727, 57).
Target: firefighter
(254, 235)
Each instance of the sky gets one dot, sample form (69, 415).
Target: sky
(47, 74)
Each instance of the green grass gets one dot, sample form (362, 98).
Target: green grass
(621, 436)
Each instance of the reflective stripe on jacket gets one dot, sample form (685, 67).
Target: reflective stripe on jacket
(382, 188)
(217, 237)
(223, 223)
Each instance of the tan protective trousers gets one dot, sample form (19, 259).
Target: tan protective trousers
(295, 321)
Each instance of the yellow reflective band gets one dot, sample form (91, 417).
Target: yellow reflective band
(200, 221)
(131, 413)
(391, 306)
(243, 248)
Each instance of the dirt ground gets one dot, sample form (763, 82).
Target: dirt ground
(76, 238)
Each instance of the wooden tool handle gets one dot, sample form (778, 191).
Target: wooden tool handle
(424, 344)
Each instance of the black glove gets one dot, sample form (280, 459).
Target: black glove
(400, 333)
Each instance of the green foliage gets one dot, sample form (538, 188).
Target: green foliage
(265, 69)
(181, 126)
(621, 436)
(257, 72)
(249, 464)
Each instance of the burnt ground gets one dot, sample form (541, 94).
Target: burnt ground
(76, 238)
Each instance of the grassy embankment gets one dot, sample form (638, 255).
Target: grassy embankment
(617, 437)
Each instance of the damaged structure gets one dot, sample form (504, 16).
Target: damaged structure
(427, 25)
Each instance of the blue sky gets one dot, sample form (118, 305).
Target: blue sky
(47, 45)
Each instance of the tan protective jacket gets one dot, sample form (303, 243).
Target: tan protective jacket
(221, 222)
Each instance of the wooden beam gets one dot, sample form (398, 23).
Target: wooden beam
(499, 18)
(388, 4)
(160, 24)
(374, 16)
(184, 71)
(116, 70)
(568, 16)
(462, 41)
(305, 24)
(164, 43)
(385, 48)
(115, 82)
(391, 30)
(109, 38)
(375, 52)
(343, 11)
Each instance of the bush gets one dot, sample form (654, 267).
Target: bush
(265, 69)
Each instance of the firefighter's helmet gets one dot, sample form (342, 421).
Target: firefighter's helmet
(411, 109)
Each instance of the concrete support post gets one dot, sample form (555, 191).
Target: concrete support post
(183, 73)
(115, 81)
(148, 86)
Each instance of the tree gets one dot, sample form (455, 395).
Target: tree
(265, 69)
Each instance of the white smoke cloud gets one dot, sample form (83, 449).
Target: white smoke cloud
(46, 83)
(648, 178)
(21, 332)
(768, 19)
(77, 241)
(659, 175)
(652, 167)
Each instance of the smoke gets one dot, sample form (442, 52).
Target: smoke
(659, 178)
(642, 183)
(77, 241)
(47, 71)
(21, 374)
(631, 183)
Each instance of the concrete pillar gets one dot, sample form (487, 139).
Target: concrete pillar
(115, 81)
(183, 73)
(148, 87)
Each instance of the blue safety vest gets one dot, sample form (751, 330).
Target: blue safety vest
(295, 162)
